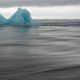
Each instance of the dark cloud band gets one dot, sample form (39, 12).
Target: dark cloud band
(13, 3)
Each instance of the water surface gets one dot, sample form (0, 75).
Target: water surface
(40, 53)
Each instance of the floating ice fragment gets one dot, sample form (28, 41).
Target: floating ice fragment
(3, 20)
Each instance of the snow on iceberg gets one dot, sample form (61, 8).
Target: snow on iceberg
(21, 17)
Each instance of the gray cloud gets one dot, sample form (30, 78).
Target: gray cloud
(13, 3)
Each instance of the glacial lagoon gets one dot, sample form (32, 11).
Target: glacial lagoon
(40, 53)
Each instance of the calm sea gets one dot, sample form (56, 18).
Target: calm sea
(40, 53)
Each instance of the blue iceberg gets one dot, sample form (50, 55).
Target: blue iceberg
(21, 17)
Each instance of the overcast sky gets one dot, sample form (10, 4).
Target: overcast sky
(43, 8)
(9, 3)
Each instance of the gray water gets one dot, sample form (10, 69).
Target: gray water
(40, 53)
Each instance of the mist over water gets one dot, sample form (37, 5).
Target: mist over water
(39, 53)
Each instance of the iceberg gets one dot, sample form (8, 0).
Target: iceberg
(21, 17)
